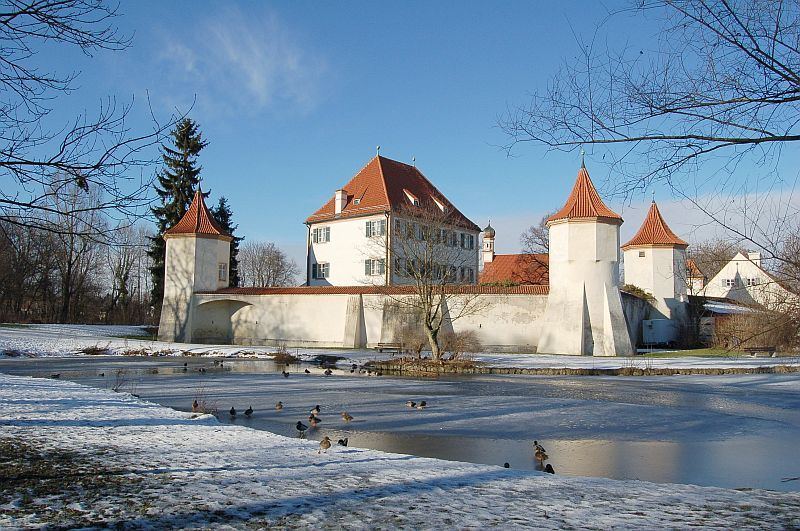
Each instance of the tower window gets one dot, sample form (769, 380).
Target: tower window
(321, 235)
(222, 272)
(641, 254)
(320, 270)
(374, 267)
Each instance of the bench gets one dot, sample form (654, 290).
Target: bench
(389, 347)
(755, 351)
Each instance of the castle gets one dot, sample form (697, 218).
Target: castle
(565, 302)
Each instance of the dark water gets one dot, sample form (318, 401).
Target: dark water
(729, 431)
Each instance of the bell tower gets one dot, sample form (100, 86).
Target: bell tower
(488, 243)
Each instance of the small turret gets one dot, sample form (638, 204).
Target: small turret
(197, 259)
(584, 307)
(655, 261)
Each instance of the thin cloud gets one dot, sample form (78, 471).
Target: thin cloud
(240, 63)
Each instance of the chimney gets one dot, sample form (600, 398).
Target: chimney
(339, 201)
(754, 257)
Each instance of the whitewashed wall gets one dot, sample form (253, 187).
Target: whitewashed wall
(660, 272)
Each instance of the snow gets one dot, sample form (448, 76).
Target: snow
(173, 470)
(69, 340)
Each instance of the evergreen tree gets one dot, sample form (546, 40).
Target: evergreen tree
(177, 182)
(223, 214)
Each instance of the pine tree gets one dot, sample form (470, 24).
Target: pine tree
(224, 215)
(177, 182)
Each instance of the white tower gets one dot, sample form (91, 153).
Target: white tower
(655, 261)
(488, 243)
(584, 308)
(197, 259)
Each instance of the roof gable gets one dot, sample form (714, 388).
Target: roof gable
(655, 231)
(584, 202)
(385, 185)
(197, 220)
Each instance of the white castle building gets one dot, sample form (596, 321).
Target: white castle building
(567, 302)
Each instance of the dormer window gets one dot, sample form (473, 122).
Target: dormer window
(438, 204)
(411, 198)
(357, 201)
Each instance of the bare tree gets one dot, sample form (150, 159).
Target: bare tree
(263, 264)
(711, 256)
(433, 256)
(536, 238)
(126, 262)
(41, 160)
(723, 78)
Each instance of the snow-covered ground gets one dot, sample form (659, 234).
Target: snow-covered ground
(70, 340)
(137, 464)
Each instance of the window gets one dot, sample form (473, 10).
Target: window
(222, 272)
(376, 228)
(357, 201)
(753, 281)
(470, 274)
(399, 267)
(411, 198)
(321, 235)
(419, 232)
(374, 267)
(641, 254)
(320, 270)
(471, 239)
(463, 240)
(453, 239)
(729, 282)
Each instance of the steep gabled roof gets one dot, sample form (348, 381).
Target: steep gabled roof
(198, 220)
(385, 185)
(693, 270)
(526, 269)
(585, 202)
(655, 231)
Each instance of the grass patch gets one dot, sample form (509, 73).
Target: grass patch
(14, 325)
(284, 357)
(55, 487)
(698, 352)
(96, 350)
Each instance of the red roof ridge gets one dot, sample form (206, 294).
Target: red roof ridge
(197, 220)
(585, 202)
(655, 231)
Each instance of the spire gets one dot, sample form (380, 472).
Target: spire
(585, 202)
(197, 220)
(583, 162)
(655, 231)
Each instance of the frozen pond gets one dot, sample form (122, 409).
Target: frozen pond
(729, 431)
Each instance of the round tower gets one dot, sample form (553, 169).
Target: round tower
(488, 243)
(655, 261)
(584, 308)
(197, 259)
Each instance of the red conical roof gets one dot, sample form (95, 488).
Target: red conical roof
(198, 220)
(655, 231)
(585, 202)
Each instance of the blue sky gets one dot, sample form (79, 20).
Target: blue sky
(293, 98)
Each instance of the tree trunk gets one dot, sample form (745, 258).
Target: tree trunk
(433, 340)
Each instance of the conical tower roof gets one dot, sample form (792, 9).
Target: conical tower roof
(198, 220)
(584, 202)
(655, 232)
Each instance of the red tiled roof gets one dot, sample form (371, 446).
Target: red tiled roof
(517, 268)
(381, 186)
(693, 270)
(379, 290)
(584, 202)
(197, 220)
(655, 231)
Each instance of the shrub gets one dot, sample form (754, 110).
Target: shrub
(458, 344)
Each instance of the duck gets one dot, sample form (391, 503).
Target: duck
(233, 411)
(201, 369)
(313, 421)
(307, 371)
(279, 406)
(102, 375)
(540, 456)
(324, 444)
(343, 442)
(285, 374)
(549, 469)
(195, 406)
(506, 465)
(347, 417)
(411, 404)
(185, 364)
(328, 372)
(55, 375)
(301, 428)
(538, 447)
(422, 405)
(315, 411)
(248, 411)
